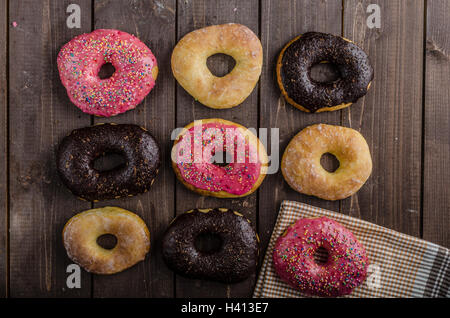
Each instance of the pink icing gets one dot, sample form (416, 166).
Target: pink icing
(293, 258)
(196, 149)
(80, 60)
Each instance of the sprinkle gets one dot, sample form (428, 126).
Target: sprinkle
(130, 83)
(344, 270)
(235, 178)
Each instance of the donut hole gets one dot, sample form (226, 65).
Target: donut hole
(107, 241)
(109, 161)
(321, 256)
(325, 72)
(106, 71)
(208, 243)
(221, 159)
(220, 64)
(329, 162)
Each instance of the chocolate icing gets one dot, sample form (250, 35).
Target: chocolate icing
(234, 261)
(78, 151)
(312, 48)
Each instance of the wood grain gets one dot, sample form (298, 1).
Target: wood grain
(404, 118)
(284, 20)
(3, 151)
(40, 116)
(436, 198)
(390, 115)
(194, 15)
(154, 23)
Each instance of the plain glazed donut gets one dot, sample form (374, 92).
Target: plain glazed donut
(293, 258)
(303, 52)
(301, 166)
(79, 63)
(197, 145)
(189, 64)
(235, 259)
(78, 151)
(81, 232)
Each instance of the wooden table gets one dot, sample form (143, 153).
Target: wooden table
(404, 119)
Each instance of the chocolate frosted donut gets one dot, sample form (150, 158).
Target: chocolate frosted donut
(302, 53)
(78, 151)
(233, 261)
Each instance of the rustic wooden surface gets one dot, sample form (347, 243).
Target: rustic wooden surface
(3, 151)
(193, 15)
(39, 205)
(158, 116)
(436, 152)
(284, 23)
(390, 116)
(404, 119)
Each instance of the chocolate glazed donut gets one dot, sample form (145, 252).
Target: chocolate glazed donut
(302, 53)
(233, 261)
(78, 151)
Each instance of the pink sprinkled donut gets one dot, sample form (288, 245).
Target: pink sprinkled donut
(293, 258)
(79, 63)
(198, 145)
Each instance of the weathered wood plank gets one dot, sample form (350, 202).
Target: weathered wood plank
(154, 23)
(436, 195)
(3, 150)
(194, 15)
(40, 116)
(390, 118)
(282, 21)
(390, 115)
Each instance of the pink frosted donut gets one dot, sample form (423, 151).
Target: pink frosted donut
(293, 258)
(201, 141)
(80, 60)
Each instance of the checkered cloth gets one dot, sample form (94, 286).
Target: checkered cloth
(400, 265)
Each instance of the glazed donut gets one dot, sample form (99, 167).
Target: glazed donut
(78, 151)
(235, 259)
(189, 64)
(81, 232)
(303, 52)
(202, 141)
(79, 63)
(301, 166)
(293, 258)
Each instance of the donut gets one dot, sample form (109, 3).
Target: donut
(301, 166)
(234, 260)
(303, 52)
(204, 140)
(80, 60)
(293, 258)
(78, 151)
(81, 232)
(190, 70)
